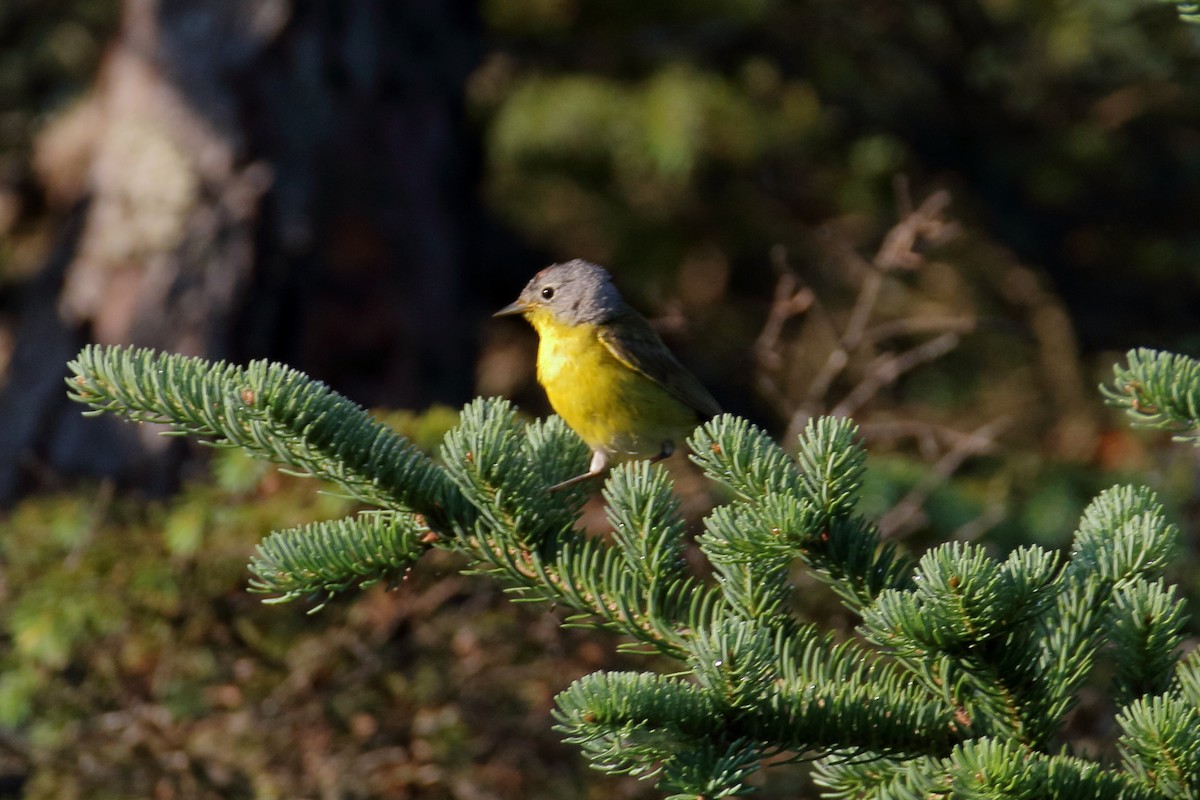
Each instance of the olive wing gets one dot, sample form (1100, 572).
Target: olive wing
(634, 343)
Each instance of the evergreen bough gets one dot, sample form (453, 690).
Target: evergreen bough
(957, 686)
(1189, 10)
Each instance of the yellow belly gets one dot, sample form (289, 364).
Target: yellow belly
(611, 407)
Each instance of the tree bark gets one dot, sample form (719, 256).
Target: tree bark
(254, 178)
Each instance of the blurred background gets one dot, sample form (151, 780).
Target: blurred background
(945, 219)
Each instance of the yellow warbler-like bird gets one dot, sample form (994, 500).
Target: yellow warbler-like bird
(605, 370)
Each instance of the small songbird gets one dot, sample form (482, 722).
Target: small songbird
(605, 370)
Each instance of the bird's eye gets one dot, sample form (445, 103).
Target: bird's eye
(548, 292)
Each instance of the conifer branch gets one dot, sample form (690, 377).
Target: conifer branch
(1122, 539)
(830, 696)
(643, 510)
(1145, 625)
(1161, 744)
(980, 768)
(958, 685)
(1159, 390)
(963, 628)
(791, 509)
(816, 693)
(324, 558)
(525, 534)
(1187, 678)
(748, 547)
(1067, 642)
(853, 561)
(271, 411)
(1189, 11)
(740, 455)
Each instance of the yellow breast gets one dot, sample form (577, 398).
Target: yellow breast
(612, 407)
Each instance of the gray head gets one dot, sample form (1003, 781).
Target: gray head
(575, 291)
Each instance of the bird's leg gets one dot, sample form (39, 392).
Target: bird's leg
(668, 447)
(599, 464)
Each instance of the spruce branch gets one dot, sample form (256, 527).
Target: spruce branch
(743, 457)
(1145, 625)
(849, 554)
(870, 776)
(705, 771)
(324, 558)
(631, 722)
(736, 662)
(504, 467)
(962, 629)
(278, 414)
(1187, 678)
(643, 510)
(1159, 390)
(845, 700)
(274, 413)
(1189, 11)
(963, 598)
(525, 534)
(745, 705)
(1123, 536)
(853, 561)
(1068, 641)
(751, 546)
(766, 692)
(1122, 539)
(1160, 745)
(984, 768)
(1013, 641)
(791, 509)
(992, 768)
(832, 462)
(958, 684)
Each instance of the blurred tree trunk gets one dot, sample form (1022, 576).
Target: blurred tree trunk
(253, 178)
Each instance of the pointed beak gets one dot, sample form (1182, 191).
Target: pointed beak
(513, 308)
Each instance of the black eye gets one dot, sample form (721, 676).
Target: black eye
(548, 292)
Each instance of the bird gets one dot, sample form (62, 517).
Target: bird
(605, 371)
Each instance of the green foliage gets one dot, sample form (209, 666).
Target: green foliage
(658, 134)
(1146, 628)
(1161, 744)
(131, 653)
(1188, 11)
(1159, 390)
(316, 558)
(964, 671)
(982, 768)
(789, 510)
(272, 412)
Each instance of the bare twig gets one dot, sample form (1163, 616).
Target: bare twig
(858, 339)
(899, 250)
(901, 517)
(855, 339)
(790, 300)
(932, 438)
(864, 307)
(886, 369)
(925, 225)
(915, 325)
(850, 338)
